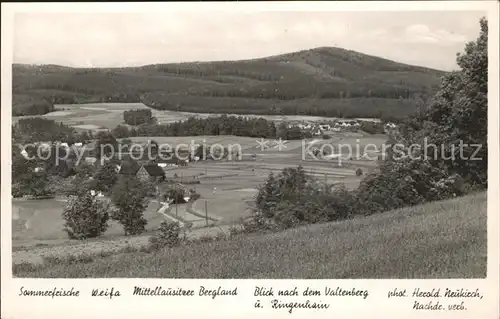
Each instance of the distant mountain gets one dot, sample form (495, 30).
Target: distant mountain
(325, 81)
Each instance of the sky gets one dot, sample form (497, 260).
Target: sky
(426, 38)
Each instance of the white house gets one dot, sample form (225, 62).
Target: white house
(24, 154)
(98, 194)
(90, 160)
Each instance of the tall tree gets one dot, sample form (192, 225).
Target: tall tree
(106, 145)
(129, 198)
(85, 216)
(106, 177)
(458, 114)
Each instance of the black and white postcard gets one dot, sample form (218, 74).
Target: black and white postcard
(250, 159)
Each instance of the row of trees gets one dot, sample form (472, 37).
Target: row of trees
(457, 113)
(216, 72)
(367, 107)
(31, 106)
(138, 116)
(288, 90)
(221, 125)
(39, 129)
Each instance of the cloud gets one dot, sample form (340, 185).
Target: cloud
(420, 33)
(112, 39)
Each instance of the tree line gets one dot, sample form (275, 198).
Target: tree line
(219, 125)
(138, 116)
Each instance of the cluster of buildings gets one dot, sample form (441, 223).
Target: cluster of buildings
(143, 164)
(388, 127)
(317, 129)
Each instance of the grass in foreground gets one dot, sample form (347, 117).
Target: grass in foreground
(437, 240)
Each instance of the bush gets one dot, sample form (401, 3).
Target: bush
(168, 236)
(372, 127)
(409, 182)
(290, 184)
(85, 216)
(194, 195)
(149, 189)
(359, 172)
(258, 223)
(175, 193)
(287, 215)
(326, 137)
(16, 191)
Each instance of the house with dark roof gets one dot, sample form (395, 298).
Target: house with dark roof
(129, 167)
(151, 173)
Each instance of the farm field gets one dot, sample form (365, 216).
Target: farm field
(246, 143)
(437, 240)
(250, 145)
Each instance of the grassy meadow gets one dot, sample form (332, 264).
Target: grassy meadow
(437, 240)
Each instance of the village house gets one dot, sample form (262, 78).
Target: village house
(168, 163)
(129, 167)
(325, 127)
(151, 173)
(25, 154)
(389, 127)
(90, 160)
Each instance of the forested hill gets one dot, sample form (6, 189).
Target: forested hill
(324, 81)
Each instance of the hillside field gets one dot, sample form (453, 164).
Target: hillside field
(436, 240)
(324, 81)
